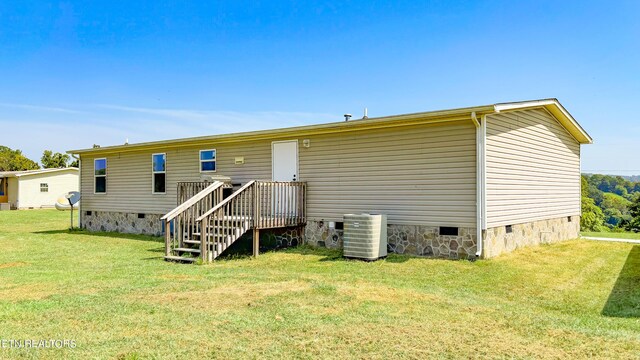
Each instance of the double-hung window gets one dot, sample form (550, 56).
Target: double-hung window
(44, 187)
(159, 170)
(208, 160)
(100, 176)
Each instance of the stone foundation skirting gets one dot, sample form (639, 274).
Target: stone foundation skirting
(497, 241)
(129, 223)
(278, 238)
(404, 239)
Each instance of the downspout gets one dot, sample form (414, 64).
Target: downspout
(481, 127)
(79, 188)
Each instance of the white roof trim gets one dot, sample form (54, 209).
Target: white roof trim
(34, 172)
(557, 110)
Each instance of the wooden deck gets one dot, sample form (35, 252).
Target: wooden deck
(206, 224)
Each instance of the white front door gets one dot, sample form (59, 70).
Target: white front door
(284, 158)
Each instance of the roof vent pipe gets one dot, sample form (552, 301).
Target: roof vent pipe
(347, 117)
(366, 116)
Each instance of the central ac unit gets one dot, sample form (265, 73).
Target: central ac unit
(365, 236)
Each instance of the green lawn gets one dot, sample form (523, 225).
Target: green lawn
(115, 296)
(614, 235)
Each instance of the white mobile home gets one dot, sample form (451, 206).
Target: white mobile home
(36, 189)
(507, 174)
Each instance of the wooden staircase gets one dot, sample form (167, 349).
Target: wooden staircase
(204, 226)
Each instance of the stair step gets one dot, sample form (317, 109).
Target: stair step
(209, 235)
(189, 250)
(190, 241)
(179, 259)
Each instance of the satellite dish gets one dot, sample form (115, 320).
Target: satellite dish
(67, 202)
(63, 204)
(73, 197)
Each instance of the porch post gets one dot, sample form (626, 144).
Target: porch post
(256, 241)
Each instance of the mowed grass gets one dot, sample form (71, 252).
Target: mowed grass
(115, 296)
(613, 235)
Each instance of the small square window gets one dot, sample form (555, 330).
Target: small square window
(44, 187)
(509, 229)
(208, 160)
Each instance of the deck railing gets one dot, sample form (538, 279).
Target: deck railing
(181, 222)
(257, 205)
(189, 189)
(280, 204)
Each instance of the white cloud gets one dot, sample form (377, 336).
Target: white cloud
(40, 108)
(62, 129)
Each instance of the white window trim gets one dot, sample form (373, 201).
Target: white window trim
(200, 161)
(106, 172)
(153, 172)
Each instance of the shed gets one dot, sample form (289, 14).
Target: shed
(36, 189)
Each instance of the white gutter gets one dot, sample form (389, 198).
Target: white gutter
(475, 119)
(79, 188)
(481, 136)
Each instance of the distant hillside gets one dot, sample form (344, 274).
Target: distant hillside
(632, 178)
(613, 195)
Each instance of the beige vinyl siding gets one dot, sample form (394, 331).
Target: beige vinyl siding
(59, 183)
(421, 175)
(532, 169)
(129, 175)
(14, 189)
(416, 175)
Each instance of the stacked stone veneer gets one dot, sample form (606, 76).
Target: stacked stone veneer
(404, 239)
(122, 222)
(152, 225)
(497, 241)
(278, 238)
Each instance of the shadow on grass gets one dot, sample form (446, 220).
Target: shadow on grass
(101, 234)
(154, 258)
(624, 300)
(337, 255)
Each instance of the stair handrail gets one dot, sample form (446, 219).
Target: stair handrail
(225, 201)
(192, 201)
(256, 205)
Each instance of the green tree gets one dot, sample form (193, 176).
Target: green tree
(620, 190)
(594, 193)
(592, 216)
(51, 160)
(612, 217)
(14, 160)
(614, 201)
(633, 224)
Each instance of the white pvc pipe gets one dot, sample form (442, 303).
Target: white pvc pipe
(481, 136)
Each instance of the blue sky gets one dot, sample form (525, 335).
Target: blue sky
(77, 73)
